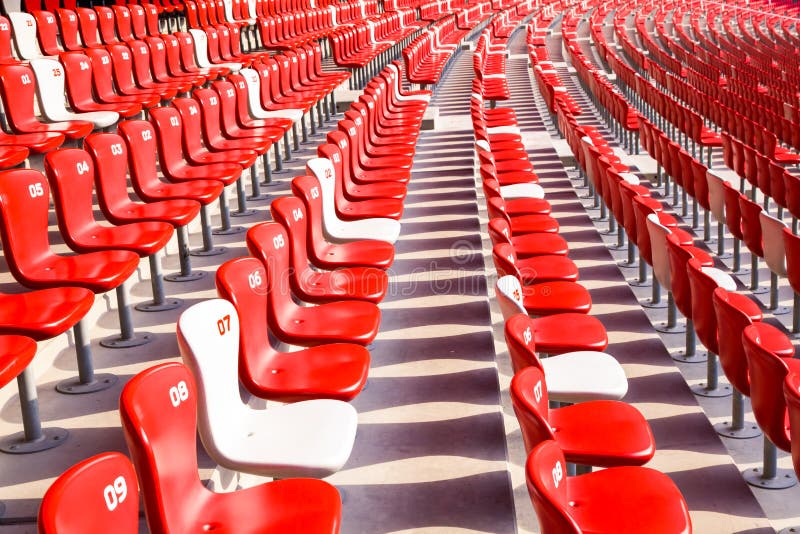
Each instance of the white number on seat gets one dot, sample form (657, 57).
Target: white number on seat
(178, 394)
(192, 110)
(36, 190)
(278, 242)
(147, 135)
(337, 158)
(82, 167)
(115, 493)
(254, 279)
(558, 474)
(314, 192)
(224, 325)
(116, 149)
(25, 79)
(537, 391)
(173, 121)
(230, 93)
(527, 335)
(84, 65)
(104, 60)
(213, 101)
(297, 213)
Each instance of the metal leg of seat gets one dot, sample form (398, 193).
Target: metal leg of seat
(754, 278)
(774, 299)
(208, 240)
(86, 381)
(712, 387)
(186, 274)
(311, 123)
(769, 476)
(690, 354)
(721, 241)
(737, 258)
(33, 438)
(642, 281)
(255, 183)
(737, 427)
(277, 152)
(225, 217)
(159, 302)
(267, 173)
(655, 296)
(630, 262)
(241, 195)
(295, 140)
(671, 326)
(128, 337)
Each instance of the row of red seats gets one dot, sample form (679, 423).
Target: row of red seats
(359, 45)
(218, 136)
(694, 284)
(772, 119)
(334, 366)
(521, 225)
(427, 57)
(489, 66)
(284, 30)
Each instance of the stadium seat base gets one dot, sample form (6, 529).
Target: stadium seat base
(16, 444)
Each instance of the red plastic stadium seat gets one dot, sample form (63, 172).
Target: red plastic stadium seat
(17, 87)
(791, 390)
(95, 496)
(330, 371)
(332, 322)
(768, 370)
(24, 204)
(16, 353)
(618, 500)
(602, 433)
(312, 284)
(158, 408)
(328, 255)
(566, 332)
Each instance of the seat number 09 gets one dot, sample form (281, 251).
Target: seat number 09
(115, 493)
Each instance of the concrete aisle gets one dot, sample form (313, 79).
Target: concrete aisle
(430, 452)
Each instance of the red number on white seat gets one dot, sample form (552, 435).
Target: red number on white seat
(224, 325)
